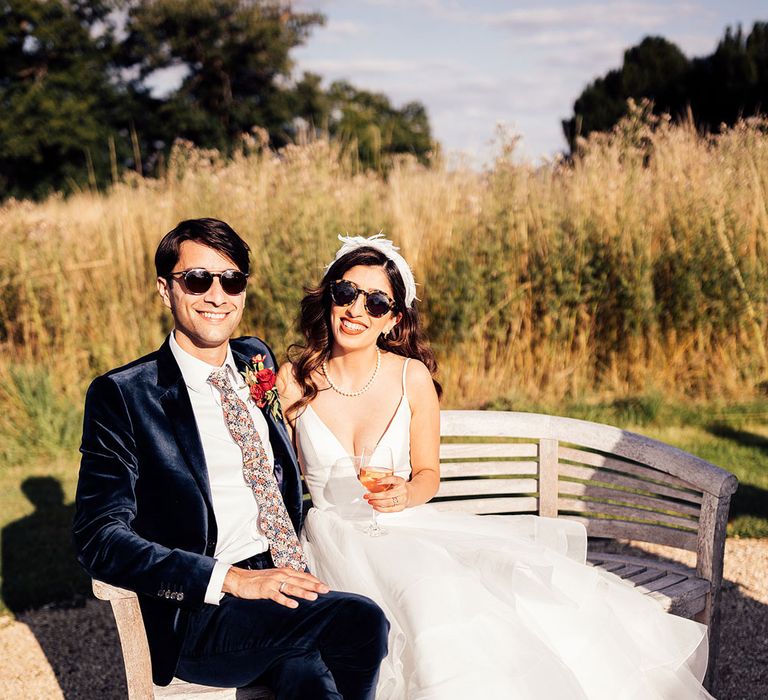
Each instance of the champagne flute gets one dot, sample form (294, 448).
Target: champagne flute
(372, 466)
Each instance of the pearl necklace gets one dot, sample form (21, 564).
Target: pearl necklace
(367, 386)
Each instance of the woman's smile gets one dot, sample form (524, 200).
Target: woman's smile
(351, 327)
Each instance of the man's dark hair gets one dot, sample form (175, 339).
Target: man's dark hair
(209, 232)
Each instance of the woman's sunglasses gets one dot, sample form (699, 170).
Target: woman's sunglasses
(344, 293)
(198, 280)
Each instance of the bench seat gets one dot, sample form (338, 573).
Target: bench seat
(676, 587)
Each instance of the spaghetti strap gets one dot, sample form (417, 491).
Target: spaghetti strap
(405, 367)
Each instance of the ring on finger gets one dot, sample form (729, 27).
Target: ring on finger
(280, 589)
(395, 500)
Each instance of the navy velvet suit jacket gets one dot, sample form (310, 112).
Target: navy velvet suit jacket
(144, 519)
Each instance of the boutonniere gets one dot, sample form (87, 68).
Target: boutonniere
(261, 383)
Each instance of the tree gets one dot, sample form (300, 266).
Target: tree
(57, 104)
(718, 89)
(369, 120)
(76, 103)
(235, 55)
(655, 69)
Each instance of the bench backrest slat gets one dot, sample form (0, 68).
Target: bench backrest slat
(698, 473)
(619, 484)
(489, 506)
(449, 470)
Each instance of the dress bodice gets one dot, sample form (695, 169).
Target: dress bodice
(331, 483)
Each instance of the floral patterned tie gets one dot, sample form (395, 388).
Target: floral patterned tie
(273, 518)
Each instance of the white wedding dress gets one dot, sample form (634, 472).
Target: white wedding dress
(489, 607)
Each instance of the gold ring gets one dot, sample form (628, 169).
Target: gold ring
(394, 500)
(280, 590)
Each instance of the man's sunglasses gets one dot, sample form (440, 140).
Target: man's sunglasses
(344, 293)
(199, 280)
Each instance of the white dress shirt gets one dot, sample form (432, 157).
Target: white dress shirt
(234, 505)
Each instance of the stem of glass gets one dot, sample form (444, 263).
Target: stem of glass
(373, 528)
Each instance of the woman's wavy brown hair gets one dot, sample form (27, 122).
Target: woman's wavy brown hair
(406, 338)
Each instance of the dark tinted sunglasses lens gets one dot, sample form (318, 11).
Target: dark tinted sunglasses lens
(198, 281)
(343, 293)
(377, 304)
(233, 282)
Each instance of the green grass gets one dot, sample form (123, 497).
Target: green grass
(36, 495)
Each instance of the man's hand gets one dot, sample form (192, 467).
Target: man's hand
(273, 584)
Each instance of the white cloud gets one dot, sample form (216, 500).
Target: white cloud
(623, 14)
(336, 29)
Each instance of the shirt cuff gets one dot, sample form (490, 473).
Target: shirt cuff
(213, 593)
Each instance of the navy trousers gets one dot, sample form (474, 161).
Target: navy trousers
(327, 648)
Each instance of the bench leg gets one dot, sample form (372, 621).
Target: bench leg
(133, 640)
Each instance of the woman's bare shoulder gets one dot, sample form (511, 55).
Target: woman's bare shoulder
(418, 379)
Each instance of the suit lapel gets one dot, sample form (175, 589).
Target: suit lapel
(275, 426)
(278, 435)
(178, 410)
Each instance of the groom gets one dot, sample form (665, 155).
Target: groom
(189, 495)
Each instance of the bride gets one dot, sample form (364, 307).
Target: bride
(488, 607)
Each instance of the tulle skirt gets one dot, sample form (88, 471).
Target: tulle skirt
(504, 607)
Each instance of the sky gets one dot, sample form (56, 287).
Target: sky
(481, 65)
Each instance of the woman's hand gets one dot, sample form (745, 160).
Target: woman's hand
(393, 499)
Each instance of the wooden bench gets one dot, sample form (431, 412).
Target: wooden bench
(138, 667)
(620, 485)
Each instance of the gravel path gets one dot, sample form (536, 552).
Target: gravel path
(74, 653)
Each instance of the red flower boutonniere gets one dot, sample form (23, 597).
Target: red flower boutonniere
(261, 383)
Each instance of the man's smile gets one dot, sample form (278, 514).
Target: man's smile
(213, 315)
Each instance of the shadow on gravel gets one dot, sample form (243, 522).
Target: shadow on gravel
(742, 663)
(44, 586)
(83, 649)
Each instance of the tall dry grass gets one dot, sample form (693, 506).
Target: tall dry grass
(639, 267)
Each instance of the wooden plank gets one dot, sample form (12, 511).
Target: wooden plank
(686, 598)
(604, 438)
(595, 459)
(187, 691)
(685, 607)
(548, 478)
(622, 530)
(710, 550)
(521, 467)
(646, 561)
(607, 477)
(476, 487)
(133, 642)
(624, 513)
(474, 450)
(612, 566)
(659, 584)
(643, 577)
(577, 488)
(626, 570)
(105, 591)
(486, 506)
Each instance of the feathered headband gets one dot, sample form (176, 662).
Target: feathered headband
(350, 243)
